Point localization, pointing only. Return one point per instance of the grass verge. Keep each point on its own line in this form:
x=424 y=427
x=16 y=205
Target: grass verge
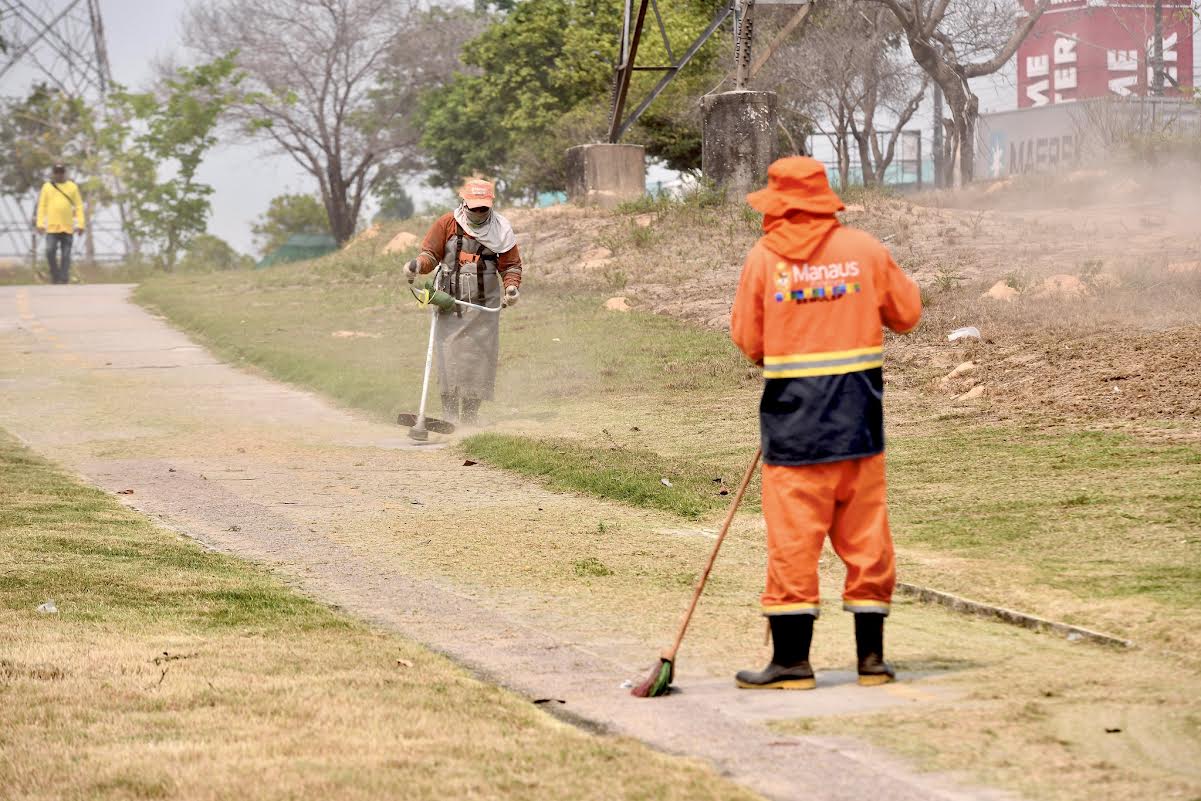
x=172 y=672
x=635 y=476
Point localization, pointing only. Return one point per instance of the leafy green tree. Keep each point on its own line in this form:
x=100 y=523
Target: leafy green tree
x=539 y=80
x=287 y=215
x=35 y=132
x=395 y=202
x=208 y=252
x=158 y=142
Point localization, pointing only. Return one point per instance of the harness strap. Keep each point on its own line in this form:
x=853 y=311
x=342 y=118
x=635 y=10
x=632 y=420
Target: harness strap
x=456 y=280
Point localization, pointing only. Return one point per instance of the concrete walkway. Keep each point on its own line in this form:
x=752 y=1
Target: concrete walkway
x=278 y=475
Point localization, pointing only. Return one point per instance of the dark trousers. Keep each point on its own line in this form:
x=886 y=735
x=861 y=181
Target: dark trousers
x=58 y=253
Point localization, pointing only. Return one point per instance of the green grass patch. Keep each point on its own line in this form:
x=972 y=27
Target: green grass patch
x=627 y=475
x=101 y=562
x=591 y=567
x=1097 y=513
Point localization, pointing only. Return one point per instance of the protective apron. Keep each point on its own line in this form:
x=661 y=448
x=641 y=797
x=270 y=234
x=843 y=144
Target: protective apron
x=467 y=344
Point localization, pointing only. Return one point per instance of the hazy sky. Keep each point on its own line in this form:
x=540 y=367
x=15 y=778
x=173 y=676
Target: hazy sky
x=244 y=179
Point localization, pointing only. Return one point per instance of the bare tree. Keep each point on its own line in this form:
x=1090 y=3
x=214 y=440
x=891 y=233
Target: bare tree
x=849 y=73
x=891 y=82
x=313 y=72
x=957 y=40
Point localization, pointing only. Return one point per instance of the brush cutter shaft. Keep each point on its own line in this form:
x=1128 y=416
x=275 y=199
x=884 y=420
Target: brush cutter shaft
x=481 y=308
x=429 y=360
x=721 y=536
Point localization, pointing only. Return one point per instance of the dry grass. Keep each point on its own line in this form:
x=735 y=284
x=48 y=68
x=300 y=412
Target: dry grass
x=170 y=672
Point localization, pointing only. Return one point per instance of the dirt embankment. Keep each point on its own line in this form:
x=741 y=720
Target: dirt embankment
x=1086 y=288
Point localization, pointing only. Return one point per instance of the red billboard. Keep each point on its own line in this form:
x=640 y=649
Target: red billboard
x=1088 y=48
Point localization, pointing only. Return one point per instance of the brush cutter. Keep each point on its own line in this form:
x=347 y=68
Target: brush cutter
x=659 y=681
x=420 y=426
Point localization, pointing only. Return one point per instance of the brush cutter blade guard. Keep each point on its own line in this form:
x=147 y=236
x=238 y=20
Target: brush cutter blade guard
x=432 y=424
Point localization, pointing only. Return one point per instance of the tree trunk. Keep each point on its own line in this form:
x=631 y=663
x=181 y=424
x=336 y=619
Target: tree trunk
x=33 y=239
x=341 y=222
x=863 y=142
x=964 y=114
x=963 y=105
x=89 y=241
x=341 y=219
x=169 y=254
x=844 y=161
x=938 y=143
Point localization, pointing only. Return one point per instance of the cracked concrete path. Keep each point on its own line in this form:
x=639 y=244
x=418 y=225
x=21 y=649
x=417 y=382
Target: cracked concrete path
x=348 y=510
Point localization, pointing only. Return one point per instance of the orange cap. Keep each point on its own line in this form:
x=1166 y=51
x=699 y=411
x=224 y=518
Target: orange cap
x=796 y=183
x=478 y=192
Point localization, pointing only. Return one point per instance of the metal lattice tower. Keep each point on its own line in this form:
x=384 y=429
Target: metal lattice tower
x=59 y=43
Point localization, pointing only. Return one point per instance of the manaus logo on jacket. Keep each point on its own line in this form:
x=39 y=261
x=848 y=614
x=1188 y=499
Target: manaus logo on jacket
x=789 y=276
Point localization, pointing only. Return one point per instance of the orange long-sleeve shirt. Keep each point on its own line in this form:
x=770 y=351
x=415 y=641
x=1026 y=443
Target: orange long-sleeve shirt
x=445 y=228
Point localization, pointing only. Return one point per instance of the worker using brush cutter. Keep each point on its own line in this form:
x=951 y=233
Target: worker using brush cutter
x=477 y=251
x=810 y=309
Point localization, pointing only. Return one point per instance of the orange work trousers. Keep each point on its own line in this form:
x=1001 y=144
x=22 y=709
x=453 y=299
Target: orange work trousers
x=844 y=500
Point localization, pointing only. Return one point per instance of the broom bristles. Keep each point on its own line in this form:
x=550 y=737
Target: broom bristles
x=657 y=683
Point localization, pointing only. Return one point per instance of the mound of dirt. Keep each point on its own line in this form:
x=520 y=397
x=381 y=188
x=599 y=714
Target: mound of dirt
x=1001 y=291
x=1125 y=375
x=1104 y=375
x=401 y=242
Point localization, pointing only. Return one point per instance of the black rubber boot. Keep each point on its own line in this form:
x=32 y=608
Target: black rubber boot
x=450 y=408
x=869 y=642
x=471 y=411
x=789 y=668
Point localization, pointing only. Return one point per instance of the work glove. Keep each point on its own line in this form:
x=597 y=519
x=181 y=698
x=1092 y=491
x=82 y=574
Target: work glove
x=512 y=293
x=411 y=270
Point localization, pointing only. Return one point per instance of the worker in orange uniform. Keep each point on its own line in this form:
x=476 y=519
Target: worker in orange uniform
x=475 y=250
x=810 y=309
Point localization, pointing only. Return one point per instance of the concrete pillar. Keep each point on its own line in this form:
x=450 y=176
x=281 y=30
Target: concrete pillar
x=605 y=175
x=738 y=140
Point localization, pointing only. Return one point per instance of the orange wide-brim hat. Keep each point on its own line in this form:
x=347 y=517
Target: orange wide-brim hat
x=477 y=192
x=796 y=183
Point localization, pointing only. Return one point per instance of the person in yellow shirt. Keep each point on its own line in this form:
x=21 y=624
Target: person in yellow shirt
x=60 y=217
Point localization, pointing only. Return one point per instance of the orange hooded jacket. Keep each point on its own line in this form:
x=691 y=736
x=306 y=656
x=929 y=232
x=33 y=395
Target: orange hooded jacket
x=810 y=308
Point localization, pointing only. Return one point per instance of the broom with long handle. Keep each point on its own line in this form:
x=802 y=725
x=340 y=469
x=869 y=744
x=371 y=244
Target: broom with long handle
x=660 y=679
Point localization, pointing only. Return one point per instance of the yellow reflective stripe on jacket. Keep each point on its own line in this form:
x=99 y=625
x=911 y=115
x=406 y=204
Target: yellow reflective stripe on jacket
x=838 y=362
x=792 y=609
x=878 y=607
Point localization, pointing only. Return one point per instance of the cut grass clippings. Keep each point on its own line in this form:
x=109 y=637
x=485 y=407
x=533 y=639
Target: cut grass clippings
x=173 y=672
